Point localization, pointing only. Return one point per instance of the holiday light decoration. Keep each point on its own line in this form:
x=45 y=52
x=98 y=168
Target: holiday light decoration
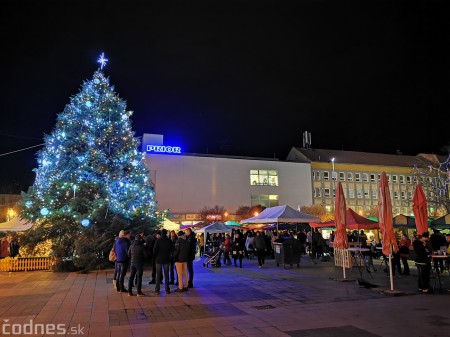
x=90 y=161
x=435 y=179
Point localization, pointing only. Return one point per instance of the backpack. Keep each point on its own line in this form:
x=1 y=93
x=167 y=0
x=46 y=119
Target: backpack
x=112 y=255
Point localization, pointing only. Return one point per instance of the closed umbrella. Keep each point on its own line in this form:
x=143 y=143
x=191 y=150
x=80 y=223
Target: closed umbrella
x=389 y=242
x=340 y=236
x=420 y=209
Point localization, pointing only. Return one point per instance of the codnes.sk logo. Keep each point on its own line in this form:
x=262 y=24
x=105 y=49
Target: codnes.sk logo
x=31 y=328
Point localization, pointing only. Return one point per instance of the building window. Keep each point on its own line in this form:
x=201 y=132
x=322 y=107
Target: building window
x=374 y=194
x=341 y=176
x=403 y=195
x=334 y=176
x=351 y=193
x=357 y=177
x=326 y=175
x=366 y=194
x=317 y=175
x=359 y=194
x=265 y=200
x=317 y=193
x=372 y=177
x=410 y=195
x=264 y=177
x=402 y=179
x=350 y=176
x=396 y=195
x=326 y=192
x=394 y=179
x=365 y=177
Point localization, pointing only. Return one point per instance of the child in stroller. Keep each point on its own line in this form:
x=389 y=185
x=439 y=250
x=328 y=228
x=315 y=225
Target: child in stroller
x=212 y=256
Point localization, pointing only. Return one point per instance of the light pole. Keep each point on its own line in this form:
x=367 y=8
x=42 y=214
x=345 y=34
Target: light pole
x=333 y=178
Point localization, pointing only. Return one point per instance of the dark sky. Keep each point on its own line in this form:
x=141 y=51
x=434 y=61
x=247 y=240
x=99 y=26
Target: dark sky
x=233 y=77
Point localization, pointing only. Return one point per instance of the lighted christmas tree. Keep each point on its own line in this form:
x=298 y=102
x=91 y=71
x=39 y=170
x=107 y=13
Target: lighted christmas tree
x=90 y=176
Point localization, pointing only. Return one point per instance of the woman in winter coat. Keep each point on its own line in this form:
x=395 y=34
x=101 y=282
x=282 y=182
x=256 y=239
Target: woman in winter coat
x=238 y=249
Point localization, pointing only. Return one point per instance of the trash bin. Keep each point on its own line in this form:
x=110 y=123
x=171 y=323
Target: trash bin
x=291 y=252
x=278 y=253
x=287 y=253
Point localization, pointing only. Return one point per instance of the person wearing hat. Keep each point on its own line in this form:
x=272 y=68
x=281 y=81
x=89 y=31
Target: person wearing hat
x=121 y=248
x=423 y=251
x=137 y=255
x=161 y=255
x=181 y=257
x=437 y=240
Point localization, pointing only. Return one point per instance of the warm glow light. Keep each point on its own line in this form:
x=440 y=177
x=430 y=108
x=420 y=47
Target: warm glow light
x=225 y=214
x=256 y=213
x=11 y=213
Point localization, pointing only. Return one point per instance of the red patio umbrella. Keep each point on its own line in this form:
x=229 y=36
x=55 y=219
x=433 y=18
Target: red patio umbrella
x=420 y=209
x=340 y=235
x=389 y=242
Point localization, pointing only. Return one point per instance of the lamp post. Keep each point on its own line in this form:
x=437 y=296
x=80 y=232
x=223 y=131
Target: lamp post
x=333 y=178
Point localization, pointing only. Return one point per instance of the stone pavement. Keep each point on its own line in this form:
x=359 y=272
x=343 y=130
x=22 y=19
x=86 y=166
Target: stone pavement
x=309 y=301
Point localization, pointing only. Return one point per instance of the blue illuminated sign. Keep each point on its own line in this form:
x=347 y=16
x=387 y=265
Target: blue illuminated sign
x=163 y=149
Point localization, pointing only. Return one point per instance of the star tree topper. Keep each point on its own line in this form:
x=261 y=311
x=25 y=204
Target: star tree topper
x=102 y=60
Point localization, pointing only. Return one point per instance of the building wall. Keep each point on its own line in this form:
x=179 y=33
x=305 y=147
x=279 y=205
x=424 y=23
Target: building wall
x=188 y=183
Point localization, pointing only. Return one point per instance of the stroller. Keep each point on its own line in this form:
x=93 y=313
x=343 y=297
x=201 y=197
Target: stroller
x=212 y=257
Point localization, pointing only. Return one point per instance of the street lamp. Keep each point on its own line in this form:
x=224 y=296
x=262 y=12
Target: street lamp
x=333 y=178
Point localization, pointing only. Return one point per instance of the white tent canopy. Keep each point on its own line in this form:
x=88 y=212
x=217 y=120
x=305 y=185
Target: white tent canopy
x=15 y=225
x=170 y=225
x=281 y=214
x=215 y=227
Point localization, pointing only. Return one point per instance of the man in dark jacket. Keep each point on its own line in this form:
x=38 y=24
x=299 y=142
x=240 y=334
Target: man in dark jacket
x=137 y=255
x=161 y=255
x=192 y=242
x=121 y=247
x=151 y=244
x=437 y=240
x=423 y=251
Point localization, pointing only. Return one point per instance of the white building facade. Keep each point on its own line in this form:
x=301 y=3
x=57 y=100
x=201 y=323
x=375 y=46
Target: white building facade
x=187 y=183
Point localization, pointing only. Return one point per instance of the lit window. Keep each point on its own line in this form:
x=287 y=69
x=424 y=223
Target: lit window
x=350 y=176
x=264 y=177
x=359 y=194
x=374 y=194
x=265 y=200
x=351 y=193
x=365 y=177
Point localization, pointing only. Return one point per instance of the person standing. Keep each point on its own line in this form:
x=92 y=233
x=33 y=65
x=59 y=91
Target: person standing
x=423 y=262
x=181 y=256
x=238 y=248
x=137 y=256
x=161 y=254
x=437 y=240
x=172 y=273
x=260 y=246
x=121 y=247
x=14 y=248
x=403 y=250
x=201 y=244
x=4 y=248
x=151 y=244
x=227 y=250
x=192 y=243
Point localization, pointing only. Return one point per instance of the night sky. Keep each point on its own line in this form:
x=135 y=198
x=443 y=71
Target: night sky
x=233 y=77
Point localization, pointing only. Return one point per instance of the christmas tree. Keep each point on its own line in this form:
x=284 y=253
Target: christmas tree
x=91 y=180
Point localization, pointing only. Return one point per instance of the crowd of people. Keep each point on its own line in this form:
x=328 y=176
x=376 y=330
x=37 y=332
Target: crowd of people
x=9 y=247
x=171 y=254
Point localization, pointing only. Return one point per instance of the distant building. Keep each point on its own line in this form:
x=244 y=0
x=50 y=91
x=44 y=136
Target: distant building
x=359 y=174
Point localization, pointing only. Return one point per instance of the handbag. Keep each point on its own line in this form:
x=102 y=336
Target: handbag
x=112 y=255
